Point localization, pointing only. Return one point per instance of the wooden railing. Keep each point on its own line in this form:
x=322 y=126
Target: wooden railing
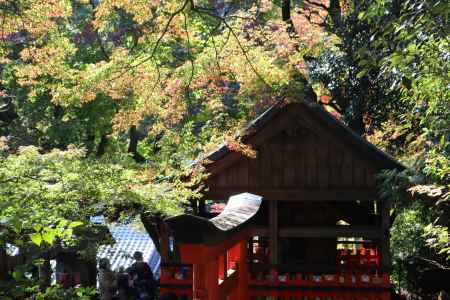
x=358 y=285
x=363 y=280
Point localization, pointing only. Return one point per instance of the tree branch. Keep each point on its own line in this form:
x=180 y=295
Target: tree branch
x=434 y=263
x=216 y=54
x=201 y=10
x=321 y=5
x=101 y=148
x=191 y=59
x=132 y=146
x=158 y=41
x=97 y=35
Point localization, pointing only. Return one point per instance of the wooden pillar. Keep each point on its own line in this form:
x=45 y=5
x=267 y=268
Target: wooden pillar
x=273 y=231
x=234 y=295
x=198 y=282
x=212 y=279
x=243 y=271
x=385 y=235
x=223 y=266
x=3 y=264
x=164 y=242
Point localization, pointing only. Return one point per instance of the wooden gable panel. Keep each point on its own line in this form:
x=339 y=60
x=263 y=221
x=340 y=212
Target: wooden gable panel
x=337 y=170
x=290 y=164
x=304 y=166
x=297 y=153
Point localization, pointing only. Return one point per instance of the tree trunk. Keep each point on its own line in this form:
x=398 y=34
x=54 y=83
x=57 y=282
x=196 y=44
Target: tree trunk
x=286 y=10
x=132 y=146
x=7 y=112
x=286 y=16
x=356 y=123
x=58 y=111
x=150 y=223
x=334 y=11
x=101 y=149
x=202 y=208
x=90 y=143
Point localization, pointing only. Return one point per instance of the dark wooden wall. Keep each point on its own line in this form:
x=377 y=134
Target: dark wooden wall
x=298 y=159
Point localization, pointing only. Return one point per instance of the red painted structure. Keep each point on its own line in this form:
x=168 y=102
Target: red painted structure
x=216 y=272
x=222 y=272
x=312 y=173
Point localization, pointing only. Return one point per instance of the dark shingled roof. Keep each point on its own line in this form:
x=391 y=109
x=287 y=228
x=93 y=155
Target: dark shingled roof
x=197 y=230
x=323 y=116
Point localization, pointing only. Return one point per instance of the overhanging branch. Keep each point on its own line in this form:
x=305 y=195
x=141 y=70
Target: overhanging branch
x=207 y=12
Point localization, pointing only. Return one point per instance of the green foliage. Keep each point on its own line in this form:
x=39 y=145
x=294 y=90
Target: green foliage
x=408 y=241
x=438 y=238
x=59 y=293
x=415 y=32
x=55 y=292
x=46 y=201
x=48 y=196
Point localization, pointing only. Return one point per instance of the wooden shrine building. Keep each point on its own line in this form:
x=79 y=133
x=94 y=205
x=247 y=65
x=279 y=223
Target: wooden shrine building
x=307 y=221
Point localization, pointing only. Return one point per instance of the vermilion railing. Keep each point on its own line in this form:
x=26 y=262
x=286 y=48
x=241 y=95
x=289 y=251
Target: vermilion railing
x=369 y=257
x=347 y=286
x=176 y=280
x=359 y=279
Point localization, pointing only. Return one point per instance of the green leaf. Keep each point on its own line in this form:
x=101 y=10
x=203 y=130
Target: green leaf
x=75 y=224
x=37 y=227
x=36 y=238
x=18 y=242
x=17 y=274
x=49 y=237
x=68 y=232
x=361 y=74
x=62 y=223
x=16 y=225
x=444 y=250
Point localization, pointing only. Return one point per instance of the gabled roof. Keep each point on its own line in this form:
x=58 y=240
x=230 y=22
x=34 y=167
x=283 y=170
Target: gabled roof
x=318 y=112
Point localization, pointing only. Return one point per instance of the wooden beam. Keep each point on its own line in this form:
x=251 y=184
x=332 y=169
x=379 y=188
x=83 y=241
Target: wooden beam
x=367 y=232
x=201 y=253
x=224 y=163
x=307 y=195
x=199 y=281
x=309 y=268
x=385 y=234
x=331 y=232
x=243 y=271
x=3 y=264
x=228 y=285
x=212 y=279
x=273 y=231
x=259 y=231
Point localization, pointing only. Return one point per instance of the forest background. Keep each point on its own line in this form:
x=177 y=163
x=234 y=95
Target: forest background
x=105 y=104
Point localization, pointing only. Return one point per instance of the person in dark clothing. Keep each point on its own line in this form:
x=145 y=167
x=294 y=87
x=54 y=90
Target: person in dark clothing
x=142 y=269
x=124 y=290
x=142 y=275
